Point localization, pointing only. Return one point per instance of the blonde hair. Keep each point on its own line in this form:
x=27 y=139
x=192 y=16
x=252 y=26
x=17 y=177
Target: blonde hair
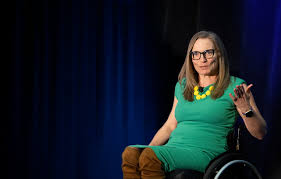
x=188 y=71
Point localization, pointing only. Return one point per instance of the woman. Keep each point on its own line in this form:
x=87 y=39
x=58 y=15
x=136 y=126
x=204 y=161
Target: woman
x=206 y=105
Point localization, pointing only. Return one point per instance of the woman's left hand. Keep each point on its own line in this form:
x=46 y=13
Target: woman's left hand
x=242 y=97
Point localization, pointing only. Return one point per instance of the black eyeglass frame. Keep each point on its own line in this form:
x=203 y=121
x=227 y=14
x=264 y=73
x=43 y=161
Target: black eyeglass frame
x=204 y=54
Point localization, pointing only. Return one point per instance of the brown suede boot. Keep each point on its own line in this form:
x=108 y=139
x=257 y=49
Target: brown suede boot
x=130 y=163
x=150 y=166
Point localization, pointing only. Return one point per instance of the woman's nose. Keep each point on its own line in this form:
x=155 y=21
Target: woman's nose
x=204 y=59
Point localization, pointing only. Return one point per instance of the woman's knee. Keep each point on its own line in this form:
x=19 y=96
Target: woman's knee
x=131 y=154
x=148 y=156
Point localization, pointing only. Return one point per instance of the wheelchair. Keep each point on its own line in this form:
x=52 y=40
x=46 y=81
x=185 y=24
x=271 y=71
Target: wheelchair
x=232 y=164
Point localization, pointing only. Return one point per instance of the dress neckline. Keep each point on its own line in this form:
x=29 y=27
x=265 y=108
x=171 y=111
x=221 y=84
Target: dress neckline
x=205 y=88
x=208 y=85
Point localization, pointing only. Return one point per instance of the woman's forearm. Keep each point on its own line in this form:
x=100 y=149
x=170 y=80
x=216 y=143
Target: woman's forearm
x=161 y=136
x=256 y=125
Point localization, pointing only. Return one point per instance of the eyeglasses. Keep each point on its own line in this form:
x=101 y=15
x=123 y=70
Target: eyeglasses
x=207 y=54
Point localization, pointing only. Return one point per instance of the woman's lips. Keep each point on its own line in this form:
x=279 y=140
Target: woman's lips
x=203 y=67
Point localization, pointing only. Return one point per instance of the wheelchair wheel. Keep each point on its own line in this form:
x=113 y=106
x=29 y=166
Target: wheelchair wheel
x=231 y=166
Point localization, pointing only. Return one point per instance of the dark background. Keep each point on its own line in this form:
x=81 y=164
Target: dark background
x=87 y=78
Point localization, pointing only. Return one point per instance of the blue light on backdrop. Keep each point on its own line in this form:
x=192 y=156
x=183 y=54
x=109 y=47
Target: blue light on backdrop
x=260 y=49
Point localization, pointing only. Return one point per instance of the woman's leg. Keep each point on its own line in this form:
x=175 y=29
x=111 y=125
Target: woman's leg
x=130 y=163
x=150 y=166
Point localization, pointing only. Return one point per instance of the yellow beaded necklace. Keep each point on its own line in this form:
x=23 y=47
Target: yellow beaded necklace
x=207 y=93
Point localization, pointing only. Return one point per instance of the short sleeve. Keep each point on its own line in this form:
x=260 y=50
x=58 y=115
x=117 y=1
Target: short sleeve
x=177 y=90
x=239 y=81
x=236 y=81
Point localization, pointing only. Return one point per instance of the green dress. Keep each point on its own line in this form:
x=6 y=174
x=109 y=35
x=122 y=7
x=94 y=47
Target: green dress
x=201 y=131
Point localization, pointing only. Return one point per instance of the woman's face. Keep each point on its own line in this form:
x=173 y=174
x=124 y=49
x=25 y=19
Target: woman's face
x=205 y=66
